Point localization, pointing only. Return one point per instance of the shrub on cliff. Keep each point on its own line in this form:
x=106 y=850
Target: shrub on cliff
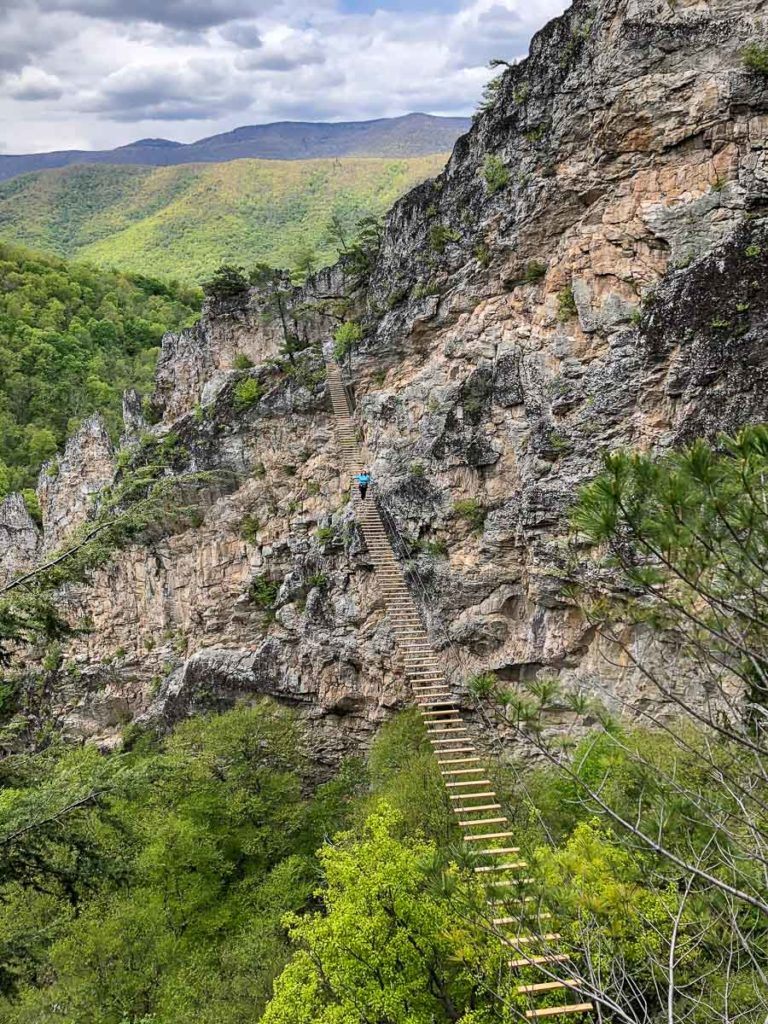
x=246 y=393
x=346 y=336
x=755 y=57
x=227 y=283
x=495 y=173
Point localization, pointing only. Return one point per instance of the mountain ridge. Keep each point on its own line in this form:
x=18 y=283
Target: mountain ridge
x=410 y=135
x=183 y=221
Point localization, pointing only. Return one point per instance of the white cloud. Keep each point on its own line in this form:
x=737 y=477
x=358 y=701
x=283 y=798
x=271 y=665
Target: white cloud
x=188 y=68
x=34 y=84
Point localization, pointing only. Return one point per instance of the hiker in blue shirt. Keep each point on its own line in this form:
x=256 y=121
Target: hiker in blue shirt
x=363 y=479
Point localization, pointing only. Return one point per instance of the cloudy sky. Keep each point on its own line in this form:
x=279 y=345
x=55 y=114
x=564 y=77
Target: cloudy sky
x=95 y=74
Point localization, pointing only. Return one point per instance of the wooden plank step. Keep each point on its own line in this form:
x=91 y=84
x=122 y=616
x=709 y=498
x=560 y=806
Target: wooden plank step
x=526 y=940
x=504 y=884
x=544 y=986
x=458 y=760
x=481 y=807
x=475 y=782
x=497 y=851
x=464 y=771
x=502 y=867
x=468 y=796
x=516 y=920
x=553 y=1011
x=547 y=958
x=481 y=821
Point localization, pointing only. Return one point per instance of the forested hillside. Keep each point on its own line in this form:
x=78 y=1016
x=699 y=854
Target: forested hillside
x=72 y=338
x=184 y=221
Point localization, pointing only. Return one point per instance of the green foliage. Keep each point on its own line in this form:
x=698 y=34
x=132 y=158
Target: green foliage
x=491 y=92
x=263 y=591
x=389 y=946
x=432 y=548
x=495 y=173
x=689 y=532
x=566 y=305
x=483 y=684
x=482 y=254
x=755 y=58
x=346 y=336
x=247 y=392
x=423 y=289
x=439 y=235
x=186 y=221
x=416 y=468
x=151 y=884
x=249 y=528
x=242 y=361
x=534 y=271
x=227 y=283
x=72 y=339
x=537 y=133
x=470 y=510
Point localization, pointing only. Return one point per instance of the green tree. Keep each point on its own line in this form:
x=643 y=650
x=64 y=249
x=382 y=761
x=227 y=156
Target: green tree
x=388 y=947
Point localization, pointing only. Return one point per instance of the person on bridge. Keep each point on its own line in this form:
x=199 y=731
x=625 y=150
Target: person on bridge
x=363 y=479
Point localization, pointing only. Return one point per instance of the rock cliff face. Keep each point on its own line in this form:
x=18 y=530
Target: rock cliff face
x=19 y=538
x=589 y=272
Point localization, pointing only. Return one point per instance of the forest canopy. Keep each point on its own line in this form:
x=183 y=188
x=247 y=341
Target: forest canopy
x=72 y=339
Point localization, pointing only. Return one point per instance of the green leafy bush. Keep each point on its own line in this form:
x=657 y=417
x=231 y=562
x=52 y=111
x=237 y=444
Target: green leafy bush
x=423 y=289
x=534 y=271
x=566 y=305
x=439 y=235
x=249 y=528
x=470 y=510
x=247 y=392
x=242 y=361
x=227 y=283
x=346 y=336
x=263 y=591
x=495 y=173
x=755 y=58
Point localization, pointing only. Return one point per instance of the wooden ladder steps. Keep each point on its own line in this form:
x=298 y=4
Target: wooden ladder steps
x=526 y=940
x=545 y=986
x=446 y=731
x=487 y=835
x=553 y=1011
x=544 y=958
x=512 y=865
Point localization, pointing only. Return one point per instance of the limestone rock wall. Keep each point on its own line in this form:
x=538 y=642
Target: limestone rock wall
x=19 y=538
x=70 y=484
x=611 y=291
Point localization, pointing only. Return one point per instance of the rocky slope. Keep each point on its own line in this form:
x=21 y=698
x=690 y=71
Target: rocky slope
x=589 y=271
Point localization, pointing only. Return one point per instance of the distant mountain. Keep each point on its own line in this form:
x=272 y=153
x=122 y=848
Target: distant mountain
x=183 y=222
x=407 y=136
